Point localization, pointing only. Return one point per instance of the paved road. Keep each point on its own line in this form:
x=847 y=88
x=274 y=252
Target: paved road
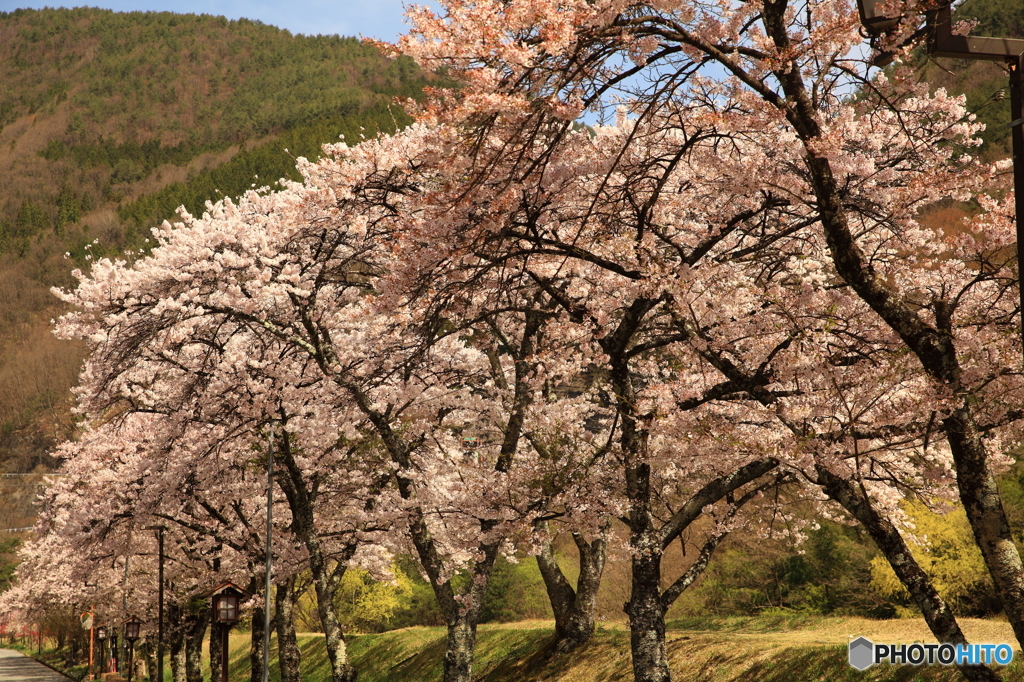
x=16 y=667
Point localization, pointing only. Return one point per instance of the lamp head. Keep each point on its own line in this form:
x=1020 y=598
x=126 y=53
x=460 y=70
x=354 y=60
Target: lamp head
x=132 y=626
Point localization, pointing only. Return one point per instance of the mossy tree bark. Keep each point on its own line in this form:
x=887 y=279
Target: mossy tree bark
x=288 y=653
x=574 y=608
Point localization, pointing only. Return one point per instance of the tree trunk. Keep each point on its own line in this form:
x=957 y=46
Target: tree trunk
x=148 y=651
x=934 y=346
x=256 y=645
x=561 y=594
x=975 y=477
x=337 y=650
x=178 y=664
x=216 y=652
x=461 y=612
x=195 y=630
x=573 y=608
x=649 y=538
x=937 y=613
x=645 y=611
x=288 y=653
x=980 y=496
x=460 y=646
x=300 y=500
x=646 y=615
x=175 y=642
x=138 y=664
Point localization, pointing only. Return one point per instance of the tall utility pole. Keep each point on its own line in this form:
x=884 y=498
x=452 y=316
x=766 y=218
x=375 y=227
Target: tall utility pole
x=942 y=42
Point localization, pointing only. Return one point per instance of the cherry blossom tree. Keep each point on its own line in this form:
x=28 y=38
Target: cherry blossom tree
x=837 y=184
x=262 y=313
x=91 y=552
x=727 y=290
x=207 y=389
x=516 y=312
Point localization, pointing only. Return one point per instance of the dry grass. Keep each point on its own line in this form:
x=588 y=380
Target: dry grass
x=765 y=649
x=768 y=649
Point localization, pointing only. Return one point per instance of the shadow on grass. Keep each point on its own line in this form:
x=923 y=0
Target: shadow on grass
x=829 y=664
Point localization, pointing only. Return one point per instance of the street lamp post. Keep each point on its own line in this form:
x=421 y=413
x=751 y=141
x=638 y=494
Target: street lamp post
x=131 y=633
x=942 y=42
x=225 y=612
x=101 y=635
x=225 y=601
x=160 y=599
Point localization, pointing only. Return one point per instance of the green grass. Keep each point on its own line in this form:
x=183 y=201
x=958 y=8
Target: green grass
x=777 y=647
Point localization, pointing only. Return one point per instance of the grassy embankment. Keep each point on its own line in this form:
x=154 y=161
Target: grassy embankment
x=765 y=649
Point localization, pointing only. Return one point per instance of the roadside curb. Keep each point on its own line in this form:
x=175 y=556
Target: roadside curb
x=59 y=672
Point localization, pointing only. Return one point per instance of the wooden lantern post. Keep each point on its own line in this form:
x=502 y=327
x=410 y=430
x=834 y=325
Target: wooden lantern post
x=226 y=601
x=132 y=626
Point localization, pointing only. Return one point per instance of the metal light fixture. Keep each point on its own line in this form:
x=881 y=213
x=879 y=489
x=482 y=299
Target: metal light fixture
x=132 y=626
x=131 y=633
x=942 y=42
x=101 y=635
x=225 y=608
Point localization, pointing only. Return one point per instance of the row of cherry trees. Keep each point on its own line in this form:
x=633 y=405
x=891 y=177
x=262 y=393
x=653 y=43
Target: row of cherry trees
x=679 y=320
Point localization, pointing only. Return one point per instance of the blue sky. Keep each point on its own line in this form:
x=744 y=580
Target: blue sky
x=380 y=19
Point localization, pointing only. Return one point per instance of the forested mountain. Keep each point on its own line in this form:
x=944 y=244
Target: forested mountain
x=101 y=107
x=110 y=121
